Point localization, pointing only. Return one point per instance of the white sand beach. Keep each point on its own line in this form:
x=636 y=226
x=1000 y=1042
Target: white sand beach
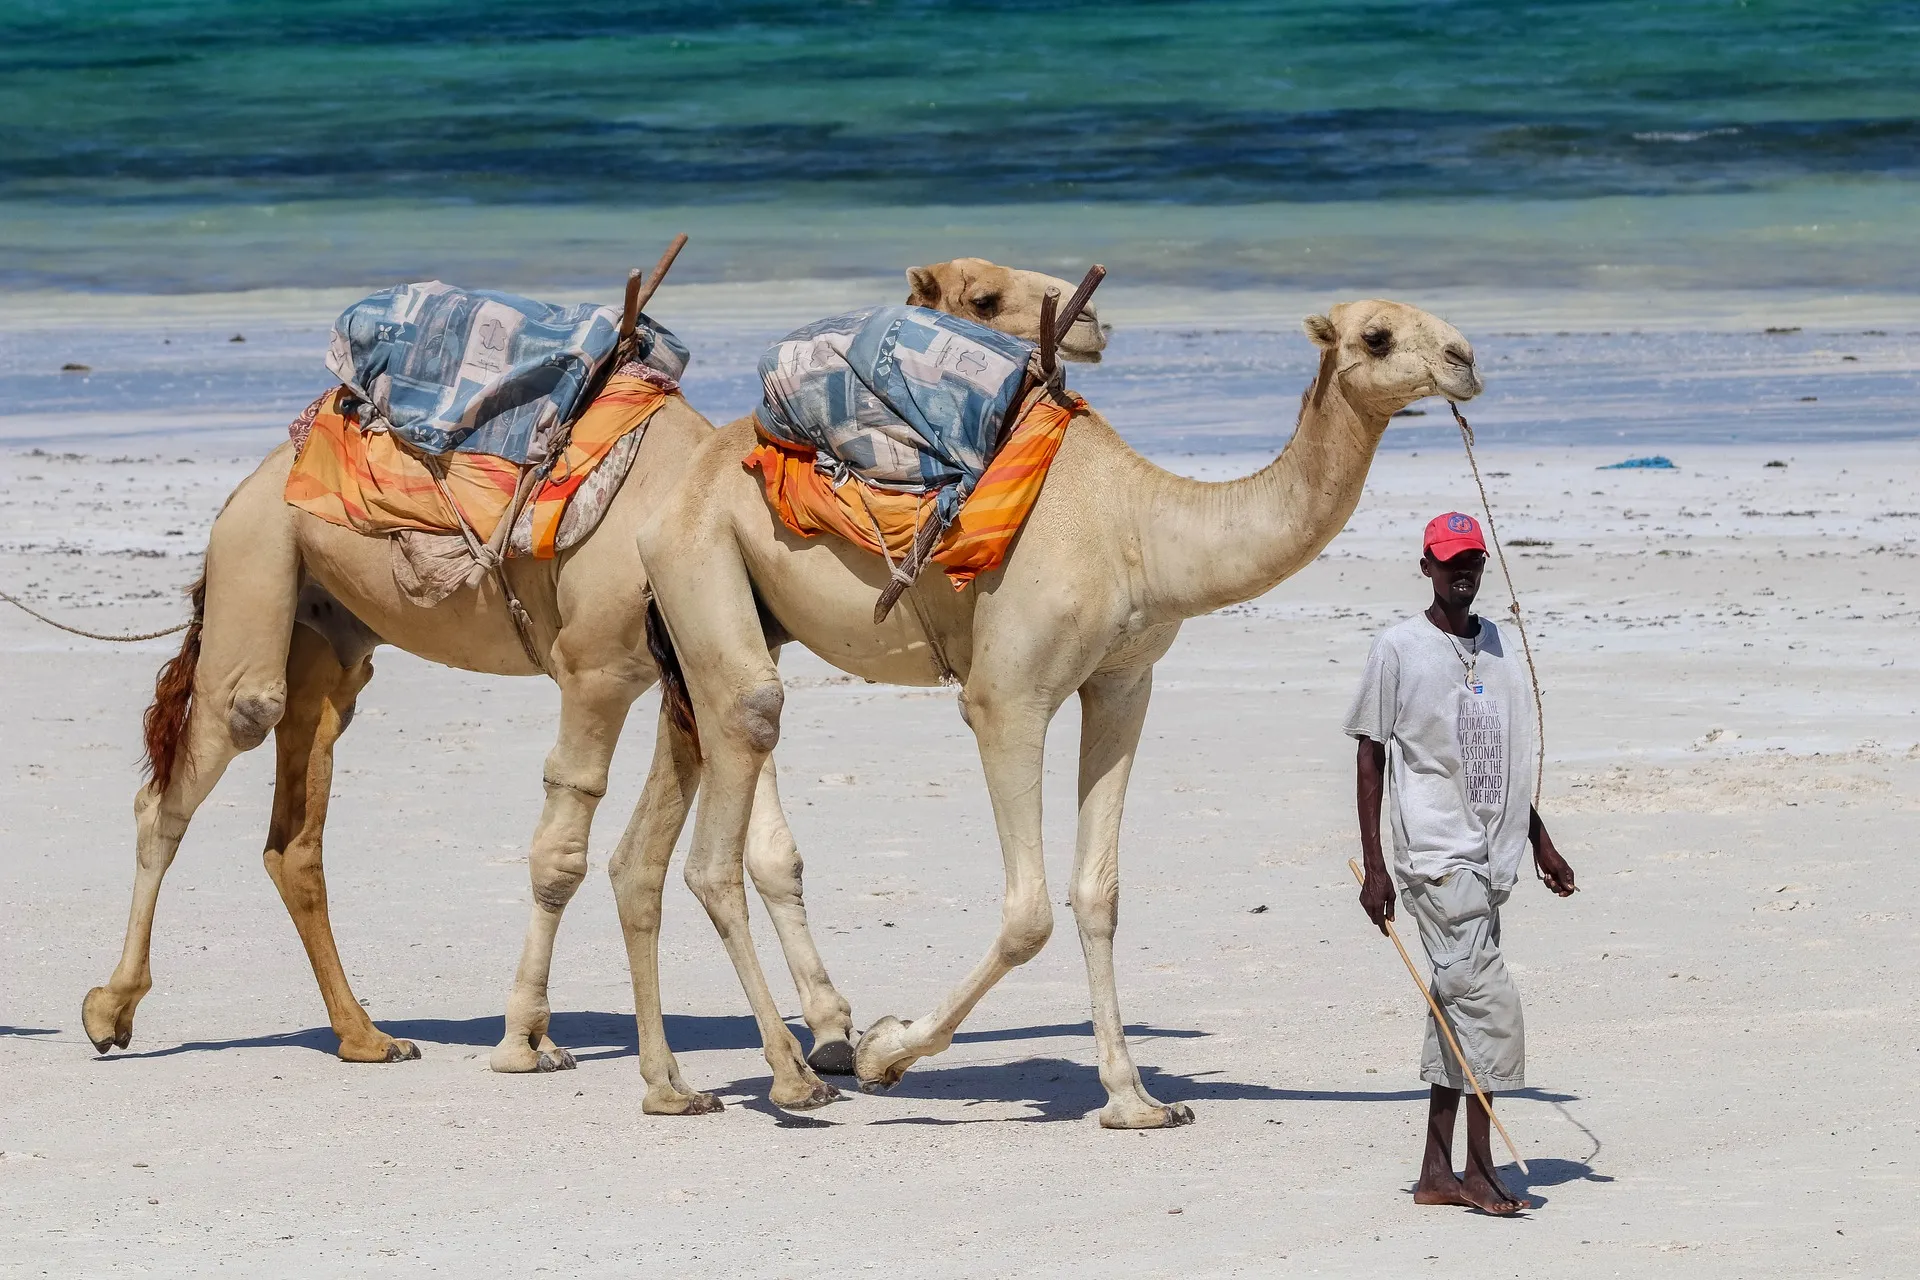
x=1721 y=1022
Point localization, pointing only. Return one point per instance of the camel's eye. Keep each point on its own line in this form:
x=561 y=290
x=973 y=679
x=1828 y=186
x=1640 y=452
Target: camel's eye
x=1379 y=341
x=987 y=303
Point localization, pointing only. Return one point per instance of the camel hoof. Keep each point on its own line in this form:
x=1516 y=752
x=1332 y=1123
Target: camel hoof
x=107 y=1027
x=1154 y=1117
x=882 y=1058
x=514 y=1056
x=555 y=1059
x=819 y=1095
x=682 y=1104
x=377 y=1052
x=832 y=1058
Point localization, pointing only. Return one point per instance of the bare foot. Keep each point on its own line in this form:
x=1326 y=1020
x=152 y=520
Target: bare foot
x=1440 y=1189
x=1485 y=1192
x=1471 y=1192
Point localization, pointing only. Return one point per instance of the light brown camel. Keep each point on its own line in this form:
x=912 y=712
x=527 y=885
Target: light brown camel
x=290 y=609
x=1115 y=555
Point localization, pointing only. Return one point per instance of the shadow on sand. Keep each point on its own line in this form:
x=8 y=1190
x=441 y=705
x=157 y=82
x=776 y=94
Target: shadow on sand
x=1061 y=1089
x=593 y=1035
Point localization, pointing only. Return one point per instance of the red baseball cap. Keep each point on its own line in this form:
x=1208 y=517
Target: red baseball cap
x=1452 y=533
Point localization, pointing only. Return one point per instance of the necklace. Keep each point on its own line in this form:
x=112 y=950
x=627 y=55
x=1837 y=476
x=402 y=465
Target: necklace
x=1469 y=656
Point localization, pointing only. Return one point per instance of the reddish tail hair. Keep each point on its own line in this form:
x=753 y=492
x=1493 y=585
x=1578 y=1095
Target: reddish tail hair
x=165 y=724
x=673 y=681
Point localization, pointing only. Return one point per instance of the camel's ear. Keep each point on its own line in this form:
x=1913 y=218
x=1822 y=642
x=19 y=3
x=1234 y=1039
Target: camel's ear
x=923 y=287
x=1321 y=330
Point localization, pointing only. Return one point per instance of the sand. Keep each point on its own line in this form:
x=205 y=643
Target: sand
x=1721 y=1022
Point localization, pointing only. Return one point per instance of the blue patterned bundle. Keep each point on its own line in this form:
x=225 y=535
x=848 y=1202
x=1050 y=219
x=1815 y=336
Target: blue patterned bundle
x=480 y=372
x=906 y=398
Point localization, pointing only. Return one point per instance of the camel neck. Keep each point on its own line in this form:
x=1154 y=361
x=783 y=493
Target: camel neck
x=1209 y=545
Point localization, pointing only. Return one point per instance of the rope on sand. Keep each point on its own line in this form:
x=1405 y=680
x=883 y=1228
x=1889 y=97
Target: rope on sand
x=91 y=635
x=1539 y=708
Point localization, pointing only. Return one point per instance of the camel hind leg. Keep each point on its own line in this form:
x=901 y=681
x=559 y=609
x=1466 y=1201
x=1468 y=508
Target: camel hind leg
x=222 y=696
x=160 y=820
x=773 y=860
x=321 y=692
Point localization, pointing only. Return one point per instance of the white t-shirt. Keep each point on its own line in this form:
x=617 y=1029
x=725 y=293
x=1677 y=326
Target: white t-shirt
x=1460 y=757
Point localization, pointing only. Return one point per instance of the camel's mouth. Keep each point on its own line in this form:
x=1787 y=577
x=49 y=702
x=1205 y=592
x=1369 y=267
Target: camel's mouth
x=1457 y=378
x=1084 y=342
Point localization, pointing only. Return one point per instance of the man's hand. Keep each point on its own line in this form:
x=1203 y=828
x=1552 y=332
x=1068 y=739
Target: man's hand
x=1547 y=862
x=1376 y=896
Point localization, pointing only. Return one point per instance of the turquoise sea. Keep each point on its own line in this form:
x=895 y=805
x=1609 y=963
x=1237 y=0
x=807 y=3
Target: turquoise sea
x=184 y=145
x=1322 y=148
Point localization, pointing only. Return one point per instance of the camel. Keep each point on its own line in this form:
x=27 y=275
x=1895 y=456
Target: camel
x=1115 y=555
x=286 y=617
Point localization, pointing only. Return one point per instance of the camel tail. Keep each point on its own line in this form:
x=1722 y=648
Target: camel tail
x=165 y=724
x=673 y=681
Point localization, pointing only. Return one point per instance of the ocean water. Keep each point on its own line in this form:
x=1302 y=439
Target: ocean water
x=1652 y=154
x=184 y=145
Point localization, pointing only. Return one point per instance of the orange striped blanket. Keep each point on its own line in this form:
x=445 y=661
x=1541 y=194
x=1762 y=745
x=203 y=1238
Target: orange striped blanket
x=367 y=482
x=977 y=541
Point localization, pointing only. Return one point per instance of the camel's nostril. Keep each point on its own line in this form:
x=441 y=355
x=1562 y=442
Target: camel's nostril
x=1459 y=354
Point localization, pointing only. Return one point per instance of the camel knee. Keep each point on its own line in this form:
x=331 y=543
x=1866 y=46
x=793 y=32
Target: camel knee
x=297 y=872
x=636 y=892
x=252 y=716
x=557 y=870
x=756 y=715
x=1025 y=925
x=1096 y=906
x=773 y=860
x=158 y=830
x=713 y=885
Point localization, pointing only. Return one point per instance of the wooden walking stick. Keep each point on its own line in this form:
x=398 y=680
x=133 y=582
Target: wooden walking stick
x=1447 y=1031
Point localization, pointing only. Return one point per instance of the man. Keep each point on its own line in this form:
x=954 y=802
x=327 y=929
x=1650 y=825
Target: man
x=1444 y=708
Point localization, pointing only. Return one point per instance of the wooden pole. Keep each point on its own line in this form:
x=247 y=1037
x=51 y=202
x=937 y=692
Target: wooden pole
x=630 y=312
x=1049 y=337
x=1447 y=1031
x=638 y=294
x=1071 y=312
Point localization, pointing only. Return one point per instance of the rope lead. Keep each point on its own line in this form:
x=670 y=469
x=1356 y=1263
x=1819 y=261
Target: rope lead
x=91 y=635
x=1526 y=646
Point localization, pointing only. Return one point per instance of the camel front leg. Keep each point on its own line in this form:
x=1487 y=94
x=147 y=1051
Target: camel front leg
x=773 y=860
x=320 y=700
x=638 y=870
x=593 y=709
x=1112 y=709
x=1012 y=748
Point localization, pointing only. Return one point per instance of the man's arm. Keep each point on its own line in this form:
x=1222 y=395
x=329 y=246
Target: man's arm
x=1552 y=868
x=1376 y=890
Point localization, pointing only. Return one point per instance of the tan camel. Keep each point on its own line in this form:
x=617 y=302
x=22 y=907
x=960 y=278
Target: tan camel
x=1115 y=555
x=290 y=610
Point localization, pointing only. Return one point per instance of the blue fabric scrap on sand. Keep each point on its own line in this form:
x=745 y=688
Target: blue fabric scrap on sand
x=1655 y=463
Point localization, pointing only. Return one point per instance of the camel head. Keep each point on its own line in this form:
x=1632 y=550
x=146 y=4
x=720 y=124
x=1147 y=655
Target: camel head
x=1007 y=299
x=1386 y=355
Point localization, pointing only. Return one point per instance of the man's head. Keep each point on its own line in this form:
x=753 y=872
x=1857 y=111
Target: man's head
x=1454 y=556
